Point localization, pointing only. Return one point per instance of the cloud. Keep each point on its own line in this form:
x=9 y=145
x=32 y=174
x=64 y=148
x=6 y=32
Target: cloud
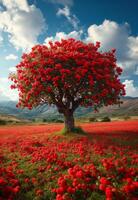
x=23 y=23
x=15 y=4
x=114 y=35
x=131 y=90
x=63 y=35
x=1 y=38
x=72 y=19
x=12 y=69
x=11 y=57
x=62 y=2
x=5 y=92
x=136 y=72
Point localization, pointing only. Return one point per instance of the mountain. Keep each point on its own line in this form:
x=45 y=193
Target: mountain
x=9 y=108
x=128 y=108
x=44 y=111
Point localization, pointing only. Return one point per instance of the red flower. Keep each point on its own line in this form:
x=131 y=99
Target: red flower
x=108 y=192
x=39 y=192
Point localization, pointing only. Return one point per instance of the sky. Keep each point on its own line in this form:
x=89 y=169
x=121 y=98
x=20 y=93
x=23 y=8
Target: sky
x=24 y=23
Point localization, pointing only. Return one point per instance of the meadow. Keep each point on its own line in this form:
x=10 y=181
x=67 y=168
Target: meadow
x=38 y=163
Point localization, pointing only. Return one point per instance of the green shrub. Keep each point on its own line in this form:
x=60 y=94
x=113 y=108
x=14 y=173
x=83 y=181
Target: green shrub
x=127 y=117
x=44 y=120
x=93 y=119
x=106 y=119
x=2 y=122
x=77 y=130
x=55 y=120
x=59 y=120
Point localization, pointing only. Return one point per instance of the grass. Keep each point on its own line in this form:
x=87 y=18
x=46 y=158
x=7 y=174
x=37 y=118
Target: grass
x=75 y=131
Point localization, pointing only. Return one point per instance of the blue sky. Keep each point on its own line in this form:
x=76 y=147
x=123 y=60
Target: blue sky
x=25 y=23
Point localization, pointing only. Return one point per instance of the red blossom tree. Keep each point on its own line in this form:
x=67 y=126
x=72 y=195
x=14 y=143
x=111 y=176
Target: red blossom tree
x=68 y=74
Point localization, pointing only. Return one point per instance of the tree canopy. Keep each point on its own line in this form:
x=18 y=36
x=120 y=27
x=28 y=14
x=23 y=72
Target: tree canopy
x=68 y=74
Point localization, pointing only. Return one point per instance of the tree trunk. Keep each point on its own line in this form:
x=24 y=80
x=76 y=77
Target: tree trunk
x=69 y=122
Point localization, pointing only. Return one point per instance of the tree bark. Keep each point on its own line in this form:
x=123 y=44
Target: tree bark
x=69 y=121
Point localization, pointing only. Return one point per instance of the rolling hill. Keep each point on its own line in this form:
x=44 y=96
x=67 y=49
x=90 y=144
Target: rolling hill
x=128 y=108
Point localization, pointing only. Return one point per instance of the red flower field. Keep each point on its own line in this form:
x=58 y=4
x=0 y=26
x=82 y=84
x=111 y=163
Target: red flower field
x=36 y=164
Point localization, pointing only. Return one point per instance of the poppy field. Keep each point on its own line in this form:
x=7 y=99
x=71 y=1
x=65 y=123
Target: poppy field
x=38 y=163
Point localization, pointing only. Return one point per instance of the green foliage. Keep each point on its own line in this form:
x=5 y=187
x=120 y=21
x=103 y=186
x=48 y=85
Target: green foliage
x=106 y=119
x=93 y=119
x=55 y=120
x=77 y=130
x=2 y=122
x=127 y=117
x=96 y=196
x=59 y=121
x=44 y=120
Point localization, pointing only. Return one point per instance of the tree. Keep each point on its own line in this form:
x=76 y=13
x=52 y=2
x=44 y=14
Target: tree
x=68 y=74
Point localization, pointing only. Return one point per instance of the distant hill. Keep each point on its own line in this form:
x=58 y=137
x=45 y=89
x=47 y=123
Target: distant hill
x=9 y=108
x=11 y=119
x=44 y=111
x=129 y=107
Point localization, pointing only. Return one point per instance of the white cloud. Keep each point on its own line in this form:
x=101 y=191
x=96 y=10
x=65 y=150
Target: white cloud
x=131 y=90
x=133 y=44
x=23 y=23
x=73 y=20
x=136 y=72
x=15 y=4
x=61 y=35
x=11 y=57
x=65 y=11
x=62 y=2
x=12 y=69
x=5 y=92
x=1 y=38
x=113 y=35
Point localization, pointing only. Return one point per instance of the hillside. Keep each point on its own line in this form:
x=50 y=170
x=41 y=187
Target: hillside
x=44 y=111
x=129 y=107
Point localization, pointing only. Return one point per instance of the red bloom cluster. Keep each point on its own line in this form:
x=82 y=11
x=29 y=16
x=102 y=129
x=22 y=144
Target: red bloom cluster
x=80 y=179
x=69 y=71
x=9 y=184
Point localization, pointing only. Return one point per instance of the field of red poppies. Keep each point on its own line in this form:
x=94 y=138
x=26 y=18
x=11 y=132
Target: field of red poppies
x=36 y=164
